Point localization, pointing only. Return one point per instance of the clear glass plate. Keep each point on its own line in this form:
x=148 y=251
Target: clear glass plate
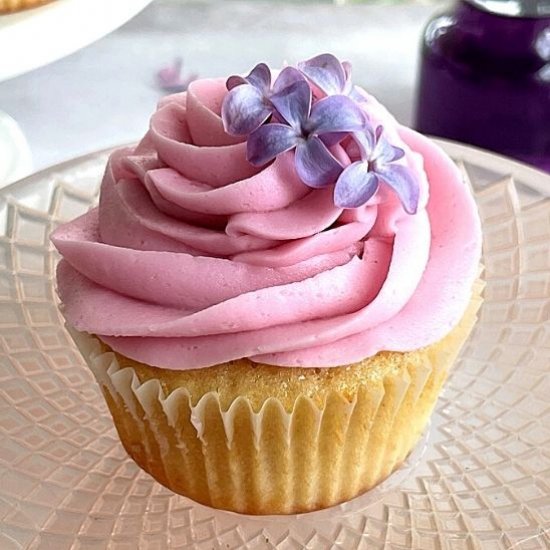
x=483 y=481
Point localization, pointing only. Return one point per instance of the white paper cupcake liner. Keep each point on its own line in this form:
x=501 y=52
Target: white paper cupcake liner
x=274 y=461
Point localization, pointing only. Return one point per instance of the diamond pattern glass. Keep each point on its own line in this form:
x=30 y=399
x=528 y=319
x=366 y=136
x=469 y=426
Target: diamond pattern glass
x=484 y=479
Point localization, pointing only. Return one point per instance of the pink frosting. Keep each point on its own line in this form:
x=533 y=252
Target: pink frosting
x=194 y=257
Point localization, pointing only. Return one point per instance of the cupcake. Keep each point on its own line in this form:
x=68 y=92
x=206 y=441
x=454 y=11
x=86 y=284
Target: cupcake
x=273 y=288
x=8 y=6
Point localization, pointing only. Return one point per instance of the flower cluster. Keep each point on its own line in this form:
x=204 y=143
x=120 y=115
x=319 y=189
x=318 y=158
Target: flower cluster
x=310 y=108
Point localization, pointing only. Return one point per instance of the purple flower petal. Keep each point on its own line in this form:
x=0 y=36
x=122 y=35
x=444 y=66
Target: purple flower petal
x=397 y=154
x=346 y=65
x=268 y=141
x=315 y=164
x=366 y=142
x=348 y=88
x=286 y=77
x=385 y=152
x=326 y=72
x=234 y=81
x=244 y=110
x=332 y=139
x=337 y=113
x=402 y=181
x=260 y=77
x=294 y=103
x=355 y=186
x=170 y=78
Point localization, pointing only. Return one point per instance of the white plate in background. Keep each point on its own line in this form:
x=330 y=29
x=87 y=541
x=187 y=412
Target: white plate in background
x=38 y=36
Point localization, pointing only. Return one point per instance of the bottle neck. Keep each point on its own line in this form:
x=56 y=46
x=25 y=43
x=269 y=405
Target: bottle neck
x=514 y=8
x=494 y=40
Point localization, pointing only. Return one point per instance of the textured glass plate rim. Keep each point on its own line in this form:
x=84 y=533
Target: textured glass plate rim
x=537 y=180
x=529 y=175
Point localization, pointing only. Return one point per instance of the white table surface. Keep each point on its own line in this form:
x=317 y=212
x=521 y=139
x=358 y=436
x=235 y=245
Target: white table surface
x=103 y=94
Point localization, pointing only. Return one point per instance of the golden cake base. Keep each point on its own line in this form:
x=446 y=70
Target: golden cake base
x=259 y=439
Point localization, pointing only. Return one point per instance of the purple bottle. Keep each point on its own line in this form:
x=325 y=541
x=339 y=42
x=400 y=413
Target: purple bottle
x=485 y=77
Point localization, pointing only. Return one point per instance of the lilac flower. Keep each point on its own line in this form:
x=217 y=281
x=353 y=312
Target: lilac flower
x=309 y=109
x=171 y=80
x=248 y=105
x=331 y=77
x=327 y=73
x=315 y=165
x=360 y=181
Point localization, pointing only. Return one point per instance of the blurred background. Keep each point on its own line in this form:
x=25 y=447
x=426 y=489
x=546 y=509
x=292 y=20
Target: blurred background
x=102 y=95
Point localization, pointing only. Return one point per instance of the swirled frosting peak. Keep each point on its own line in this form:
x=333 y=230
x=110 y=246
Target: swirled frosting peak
x=196 y=256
